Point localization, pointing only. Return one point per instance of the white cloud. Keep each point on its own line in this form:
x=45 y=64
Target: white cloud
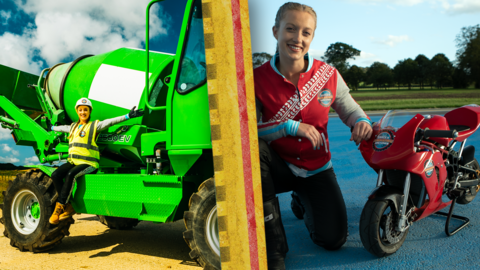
x=9 y=159
x=463 y=6
x=365 y=59
x=61 y=35
x=33 y=160
x=5 y=16
x=7 y=148
x=4 y=133
x=17 y=52
x=396 y=2
x=453 y=7
x=72 y=28
x=392 y=40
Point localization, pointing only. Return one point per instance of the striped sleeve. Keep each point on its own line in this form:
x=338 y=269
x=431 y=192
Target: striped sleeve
x=64 y=129
x=110 y=122
x=271 y=131
x=349 y=111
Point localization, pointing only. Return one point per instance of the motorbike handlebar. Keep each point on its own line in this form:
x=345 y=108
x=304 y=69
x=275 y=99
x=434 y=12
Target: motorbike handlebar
x=441 y=133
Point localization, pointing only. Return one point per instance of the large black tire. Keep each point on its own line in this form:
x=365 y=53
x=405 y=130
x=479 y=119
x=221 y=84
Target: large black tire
x=373 y=228
x=202 y=229
x=468 y=196
x=29 y=202
x=118 y=223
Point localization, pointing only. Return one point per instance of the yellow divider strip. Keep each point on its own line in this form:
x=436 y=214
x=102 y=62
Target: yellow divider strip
x=234 y=134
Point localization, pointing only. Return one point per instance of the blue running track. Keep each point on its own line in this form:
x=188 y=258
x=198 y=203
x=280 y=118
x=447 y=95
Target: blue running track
x=426 y=246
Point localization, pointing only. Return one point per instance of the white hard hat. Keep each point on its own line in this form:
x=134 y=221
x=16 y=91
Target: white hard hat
x=84 y=102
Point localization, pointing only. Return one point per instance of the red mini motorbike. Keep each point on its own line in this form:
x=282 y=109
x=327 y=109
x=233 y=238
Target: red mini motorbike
x=416 y=163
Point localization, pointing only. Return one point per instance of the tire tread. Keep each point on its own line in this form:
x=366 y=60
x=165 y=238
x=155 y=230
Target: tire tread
x=369 y=220
x=51 y=235
x=196 y=202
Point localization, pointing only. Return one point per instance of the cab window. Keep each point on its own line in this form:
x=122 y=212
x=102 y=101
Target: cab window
x=193 y=70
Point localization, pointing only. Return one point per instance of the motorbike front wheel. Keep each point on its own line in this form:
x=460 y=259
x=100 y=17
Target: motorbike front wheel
x=378 y=228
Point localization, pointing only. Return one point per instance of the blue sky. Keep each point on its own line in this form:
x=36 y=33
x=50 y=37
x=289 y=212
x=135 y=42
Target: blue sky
x=384 y=30
x=35 y=34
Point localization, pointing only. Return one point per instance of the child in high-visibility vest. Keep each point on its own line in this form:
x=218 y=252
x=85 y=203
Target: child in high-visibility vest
x=83 y=154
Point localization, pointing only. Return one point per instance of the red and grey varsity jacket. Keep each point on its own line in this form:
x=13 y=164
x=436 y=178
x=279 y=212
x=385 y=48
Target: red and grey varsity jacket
x=281 y=107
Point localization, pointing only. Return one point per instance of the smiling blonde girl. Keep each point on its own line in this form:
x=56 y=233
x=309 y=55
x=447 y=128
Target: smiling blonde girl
x=294 y=94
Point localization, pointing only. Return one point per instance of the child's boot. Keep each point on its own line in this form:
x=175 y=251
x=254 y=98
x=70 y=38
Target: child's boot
x=68 y=212
x=54 y=219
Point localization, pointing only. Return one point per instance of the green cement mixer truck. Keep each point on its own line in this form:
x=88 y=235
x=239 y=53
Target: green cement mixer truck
x=158 y=167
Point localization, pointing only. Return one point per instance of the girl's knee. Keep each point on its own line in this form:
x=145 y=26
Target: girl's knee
x=262 y=146
x=330 y=241
x=335 y=244
x=70 y=175
x=58 y=175
x=54 y=175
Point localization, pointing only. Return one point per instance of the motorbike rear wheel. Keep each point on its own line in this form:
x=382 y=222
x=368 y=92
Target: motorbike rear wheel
x=468 y=196
x=378 y=228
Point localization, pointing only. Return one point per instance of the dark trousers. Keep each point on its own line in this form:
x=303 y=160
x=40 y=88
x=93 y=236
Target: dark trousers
x=325 y=213
x=70 y=172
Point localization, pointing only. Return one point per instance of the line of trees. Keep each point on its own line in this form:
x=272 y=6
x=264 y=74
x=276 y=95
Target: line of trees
x=437 y=72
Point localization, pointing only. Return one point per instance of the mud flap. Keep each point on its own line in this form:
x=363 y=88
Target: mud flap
x=387 y=193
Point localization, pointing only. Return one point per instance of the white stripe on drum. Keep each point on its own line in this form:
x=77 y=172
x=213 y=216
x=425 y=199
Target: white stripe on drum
x=121 y=87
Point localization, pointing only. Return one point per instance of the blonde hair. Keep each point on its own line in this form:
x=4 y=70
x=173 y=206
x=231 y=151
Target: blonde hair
x=294 y=6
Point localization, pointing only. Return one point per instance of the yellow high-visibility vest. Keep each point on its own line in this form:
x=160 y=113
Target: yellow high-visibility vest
x=82 y=148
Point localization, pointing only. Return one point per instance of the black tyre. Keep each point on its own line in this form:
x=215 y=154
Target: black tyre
x=118 y=223
x=29 y=202
x=378 y=228
x=468 y=196
x=202 y=227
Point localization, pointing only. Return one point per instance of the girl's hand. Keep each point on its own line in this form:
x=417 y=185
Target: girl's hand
x=361 y=131
x=311 y=133
x=135 y=113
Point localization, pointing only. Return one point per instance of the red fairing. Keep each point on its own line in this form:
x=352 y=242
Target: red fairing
x=366 y=148
x=466 y=116
x=400 y=146
x=399 y=154
x=433 y=183
x=437 y=122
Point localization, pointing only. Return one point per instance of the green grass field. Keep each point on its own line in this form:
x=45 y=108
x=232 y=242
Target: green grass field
x=6 y=176
x=376 y=105
x=415 y=99
x=448 y=91
x=3 y=186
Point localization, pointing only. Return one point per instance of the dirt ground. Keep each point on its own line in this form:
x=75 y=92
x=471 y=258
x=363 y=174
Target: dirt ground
x=416 y=96
x=91 y=245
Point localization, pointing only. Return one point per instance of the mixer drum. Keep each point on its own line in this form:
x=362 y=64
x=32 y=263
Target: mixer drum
x=113 y=81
